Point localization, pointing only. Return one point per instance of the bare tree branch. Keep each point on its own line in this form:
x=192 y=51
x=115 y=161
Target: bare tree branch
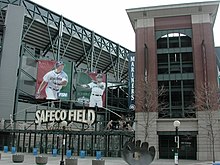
x=151 y=104
x=207 y=101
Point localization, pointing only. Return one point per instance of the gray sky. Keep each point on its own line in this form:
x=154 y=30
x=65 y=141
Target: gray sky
x=109 y=18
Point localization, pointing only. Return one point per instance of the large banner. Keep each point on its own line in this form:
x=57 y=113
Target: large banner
x=52 y=80
x=90 y=89
x=131 y=81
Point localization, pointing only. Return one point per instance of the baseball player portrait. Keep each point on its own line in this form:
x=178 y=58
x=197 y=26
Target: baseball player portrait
x=54 y=80
x=97 y=89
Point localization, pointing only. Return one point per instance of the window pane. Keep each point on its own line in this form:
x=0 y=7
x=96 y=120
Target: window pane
x=185 y=41
x=177 y=113
x=187 y=57
x=176 y=99
x=175 y=63
x=173 y=42
x=162 y=43
x=162 y=60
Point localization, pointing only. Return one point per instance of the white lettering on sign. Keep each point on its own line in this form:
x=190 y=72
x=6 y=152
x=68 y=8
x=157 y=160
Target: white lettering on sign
x=82 y=116
x=132 y=61
x=63 y=94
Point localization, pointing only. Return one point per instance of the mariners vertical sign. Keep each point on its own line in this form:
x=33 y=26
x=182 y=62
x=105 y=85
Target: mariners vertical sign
x=131 y=82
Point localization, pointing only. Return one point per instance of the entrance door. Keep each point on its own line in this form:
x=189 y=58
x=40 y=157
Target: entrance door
x=187 y=148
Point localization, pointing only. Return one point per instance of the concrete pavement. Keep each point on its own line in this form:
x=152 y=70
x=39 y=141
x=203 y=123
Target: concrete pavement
x=30 y=160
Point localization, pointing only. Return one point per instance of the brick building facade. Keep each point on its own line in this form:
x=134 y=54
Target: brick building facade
x=175 y=49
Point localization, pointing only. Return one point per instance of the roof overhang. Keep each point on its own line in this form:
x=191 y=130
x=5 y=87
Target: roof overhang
x=208 y=7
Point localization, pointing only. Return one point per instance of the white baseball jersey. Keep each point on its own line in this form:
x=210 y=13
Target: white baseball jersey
x=54 y=79
x=97 y=88
x=96 y=94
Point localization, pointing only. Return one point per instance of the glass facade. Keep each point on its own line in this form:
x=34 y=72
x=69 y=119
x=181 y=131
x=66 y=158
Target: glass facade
x=187 y=148
x=175 y=72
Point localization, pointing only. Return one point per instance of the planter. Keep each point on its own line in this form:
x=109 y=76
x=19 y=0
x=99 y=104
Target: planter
x=98 y=162
x=41 y=160
x=17 y=158
x=71 y=162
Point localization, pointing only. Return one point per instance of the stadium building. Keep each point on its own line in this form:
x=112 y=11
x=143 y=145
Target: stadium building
x=175 y=50
x=33 y=39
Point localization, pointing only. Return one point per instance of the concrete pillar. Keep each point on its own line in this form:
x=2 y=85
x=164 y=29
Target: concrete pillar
x=9 y=61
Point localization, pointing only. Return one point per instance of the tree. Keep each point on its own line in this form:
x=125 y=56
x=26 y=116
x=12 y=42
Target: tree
x=152 y=101
x=207 y=101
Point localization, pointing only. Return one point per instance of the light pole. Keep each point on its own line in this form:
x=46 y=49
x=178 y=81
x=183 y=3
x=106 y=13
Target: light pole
x=63 y=124
x=176 y=125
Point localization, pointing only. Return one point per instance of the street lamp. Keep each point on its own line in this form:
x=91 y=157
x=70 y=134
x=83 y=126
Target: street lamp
x=176 y=124
x=63 y=124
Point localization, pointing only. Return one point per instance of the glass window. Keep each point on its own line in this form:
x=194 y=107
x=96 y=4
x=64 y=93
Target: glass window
x=162 y=43
x=162 y=60
x=176 y=84
x=176 y=98
x=187 y=57
x=175 y=63
x=173 y=42
x=185 y=41
x=180 y=99
x=177 y=113
x=187 y=62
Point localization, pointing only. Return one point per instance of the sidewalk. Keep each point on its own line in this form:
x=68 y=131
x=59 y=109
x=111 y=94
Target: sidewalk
x=30 y=160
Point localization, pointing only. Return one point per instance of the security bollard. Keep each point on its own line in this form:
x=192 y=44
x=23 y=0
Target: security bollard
x=68 y=153
x=5 y=149
x=13 y=150
x=82 y=154
x=54 y=152
x=35 y=151
x=98 y=155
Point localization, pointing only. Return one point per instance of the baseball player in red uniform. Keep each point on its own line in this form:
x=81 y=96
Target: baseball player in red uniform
x=54 y=80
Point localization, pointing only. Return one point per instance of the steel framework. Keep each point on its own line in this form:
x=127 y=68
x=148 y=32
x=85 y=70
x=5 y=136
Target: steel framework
x=45 y=32
x=42 y=29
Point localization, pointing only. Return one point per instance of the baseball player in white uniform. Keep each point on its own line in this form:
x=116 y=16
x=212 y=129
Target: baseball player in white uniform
x=97 y=90
x=55 y=80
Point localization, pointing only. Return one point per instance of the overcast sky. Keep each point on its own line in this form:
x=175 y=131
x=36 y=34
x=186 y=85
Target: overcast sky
x=109 y=18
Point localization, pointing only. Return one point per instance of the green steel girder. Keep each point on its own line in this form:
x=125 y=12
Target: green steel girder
x=49 y=45
x=70 y=27
x=51 y=19
x=110 y=65
x=83 y=56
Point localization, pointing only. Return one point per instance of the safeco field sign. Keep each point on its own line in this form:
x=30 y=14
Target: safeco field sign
x=81 y=116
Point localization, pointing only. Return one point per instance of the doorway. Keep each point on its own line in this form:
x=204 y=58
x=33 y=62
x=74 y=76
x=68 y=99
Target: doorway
x=187 y=148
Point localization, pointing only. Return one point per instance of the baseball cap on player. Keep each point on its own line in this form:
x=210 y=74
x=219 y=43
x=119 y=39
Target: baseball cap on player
x=58 y=63
x=99 y=76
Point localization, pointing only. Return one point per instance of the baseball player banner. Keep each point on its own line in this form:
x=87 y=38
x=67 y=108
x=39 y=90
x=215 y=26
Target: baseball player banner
x=90 y=89
x=52 y=80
